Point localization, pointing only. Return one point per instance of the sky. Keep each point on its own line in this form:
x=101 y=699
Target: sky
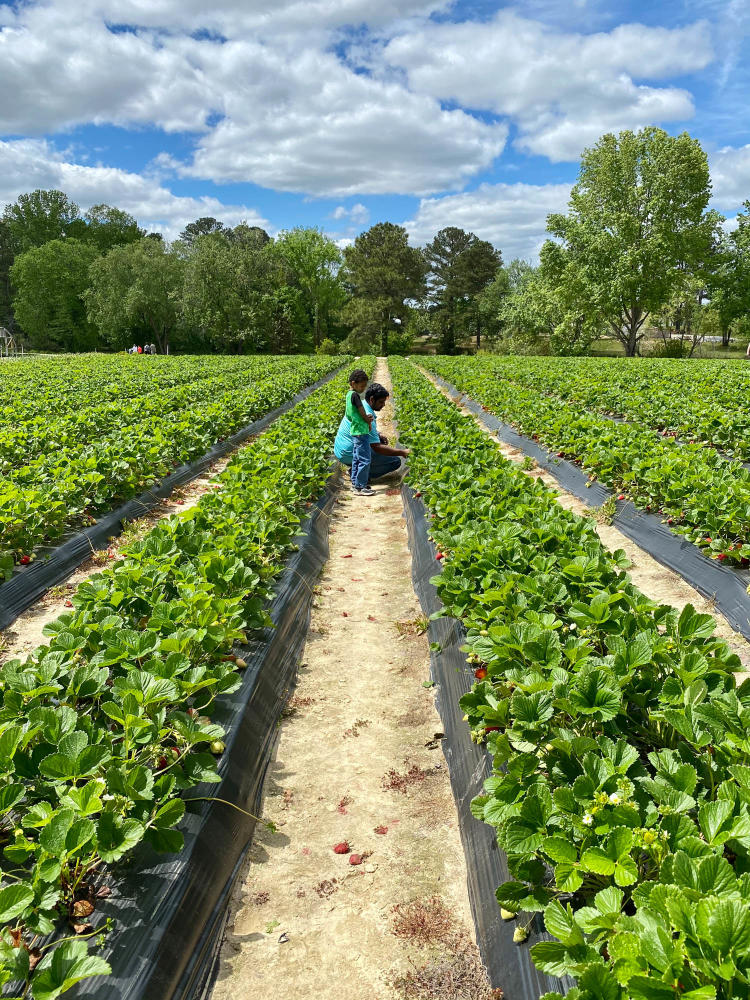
x=343 y=113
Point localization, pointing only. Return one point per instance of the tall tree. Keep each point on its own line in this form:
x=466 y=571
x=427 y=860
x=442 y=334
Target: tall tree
x=636 y=221
x=136 y=289
x=460 y=267
x=108 y=227
x=728 y=284
x=314 y=261
x=7 y=256
x=41 y=216
x=383 y=273
x=222 y=282
x=49 y=283
x=205 y=226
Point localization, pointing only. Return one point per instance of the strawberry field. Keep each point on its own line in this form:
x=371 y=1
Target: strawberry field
x=107 y=726
x=79 y=435
x=616 y=725
x=699 y=492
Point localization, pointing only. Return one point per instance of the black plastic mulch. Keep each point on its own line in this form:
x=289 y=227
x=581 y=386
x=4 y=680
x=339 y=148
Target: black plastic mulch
x=54 y=565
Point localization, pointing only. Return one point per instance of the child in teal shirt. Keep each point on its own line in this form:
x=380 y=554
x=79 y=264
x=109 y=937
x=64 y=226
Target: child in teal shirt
x=359 y=421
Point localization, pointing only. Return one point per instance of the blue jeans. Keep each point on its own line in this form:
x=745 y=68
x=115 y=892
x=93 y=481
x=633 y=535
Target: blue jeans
x=381 y=465
x=361 y=459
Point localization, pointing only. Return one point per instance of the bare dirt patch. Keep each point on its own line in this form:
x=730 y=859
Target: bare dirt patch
x=655 y=580
x=335 y=910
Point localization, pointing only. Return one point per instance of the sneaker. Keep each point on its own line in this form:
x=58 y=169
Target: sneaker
x=366 y=492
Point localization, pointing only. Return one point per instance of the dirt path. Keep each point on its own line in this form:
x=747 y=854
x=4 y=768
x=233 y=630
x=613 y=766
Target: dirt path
x=655 y=580
x=359 y=761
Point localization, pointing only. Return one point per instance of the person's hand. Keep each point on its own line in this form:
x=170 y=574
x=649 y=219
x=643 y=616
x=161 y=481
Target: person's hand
x=369 y=418
x=403 y=452
x=383 y=439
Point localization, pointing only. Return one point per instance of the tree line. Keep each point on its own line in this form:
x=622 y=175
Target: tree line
x=637 y=249
x=100 y=282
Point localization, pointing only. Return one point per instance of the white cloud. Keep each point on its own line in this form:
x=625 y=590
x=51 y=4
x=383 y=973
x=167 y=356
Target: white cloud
x=283 y=112
x=730 y=173
x=562 y=89
x=348 y=134
x=358 y=214
x=31 y=163
x=512 y=217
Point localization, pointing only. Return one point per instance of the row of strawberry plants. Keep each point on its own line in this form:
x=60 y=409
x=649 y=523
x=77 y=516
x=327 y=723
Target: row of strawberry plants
x=621 y=764
x=66 y=489
x=55 y=386
x=103 y=728
x=701 y=495
x=23 y=440
x=705 y=401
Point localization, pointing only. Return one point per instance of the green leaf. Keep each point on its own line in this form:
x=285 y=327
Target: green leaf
x=170 y=814
x=116 y=836
x=52 y=837
x=560 y=922
x=558 y=849
x=14 y=899
x=729 y=927
x=712 y=816
x=65 y=966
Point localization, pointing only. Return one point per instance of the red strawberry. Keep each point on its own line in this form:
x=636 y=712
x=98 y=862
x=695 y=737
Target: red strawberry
x=68 y=604
x=721 y=556
x=25 y=560
x=344 y=614
x=440 y=555
x=342 y=848
x=381 y=830
x=355 y=859
x=480 y=673
x=162 y=763
x=621 y=496
x=492 y=729
x=670 y=520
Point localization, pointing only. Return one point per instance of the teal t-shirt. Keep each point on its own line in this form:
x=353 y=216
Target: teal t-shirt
x=342 y=446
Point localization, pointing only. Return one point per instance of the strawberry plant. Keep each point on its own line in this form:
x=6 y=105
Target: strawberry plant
x=698 y=492
x=617 y=728
x=88 y=460
x=104 y=726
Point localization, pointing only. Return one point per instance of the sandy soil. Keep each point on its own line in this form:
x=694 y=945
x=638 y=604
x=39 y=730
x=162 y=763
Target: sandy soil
x=655 y=580
x=358 y=760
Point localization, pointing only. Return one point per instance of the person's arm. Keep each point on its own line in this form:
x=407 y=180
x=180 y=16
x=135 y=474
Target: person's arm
x=383 y=439
x=368 y=417
x=385 y=449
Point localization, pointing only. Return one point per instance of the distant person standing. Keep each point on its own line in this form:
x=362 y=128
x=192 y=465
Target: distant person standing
x=140 y=349
x=153 y=348
x=747 y=352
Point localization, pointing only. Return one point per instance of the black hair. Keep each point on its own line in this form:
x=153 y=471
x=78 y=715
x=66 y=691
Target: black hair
x=376 y=391
x=358 y=375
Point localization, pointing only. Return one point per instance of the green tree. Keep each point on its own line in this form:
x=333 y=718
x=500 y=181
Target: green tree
x=41 y=216
x=223 y=283
x=136 y=290
x=108 y=227
x=49 y=283
x=7 y=256
x=637 y=219
x=314 y=261
x=205 y=226
x=460 y=266
x=383 y=273
x=728 y=284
